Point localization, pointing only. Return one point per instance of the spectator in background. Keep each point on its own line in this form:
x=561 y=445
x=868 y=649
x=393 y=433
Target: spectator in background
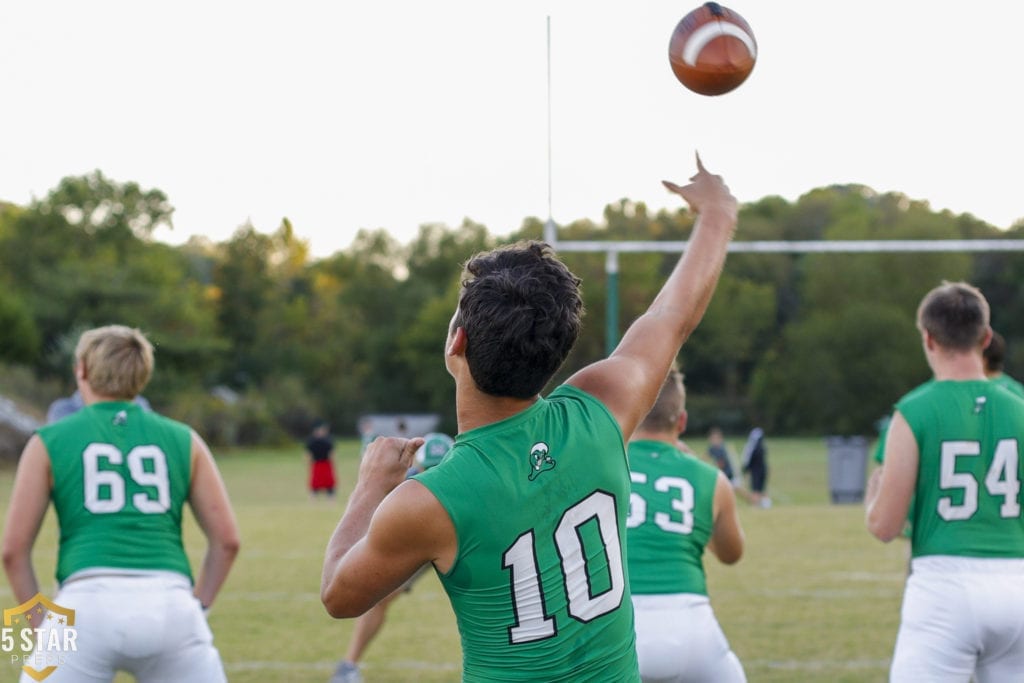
x=320 y=449
x=718 y=451
x=995 y=355
x=366 y=432
x=755 y=464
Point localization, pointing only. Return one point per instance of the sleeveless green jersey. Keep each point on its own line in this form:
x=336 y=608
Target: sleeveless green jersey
x=539 y=586
x=1010 y=383
x=967 y=496
x=671 y=517
x=120 y=478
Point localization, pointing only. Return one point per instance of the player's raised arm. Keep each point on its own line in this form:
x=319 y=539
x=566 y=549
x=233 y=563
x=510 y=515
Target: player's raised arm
x=628 y=381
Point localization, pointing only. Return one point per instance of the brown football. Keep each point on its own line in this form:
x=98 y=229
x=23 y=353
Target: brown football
x=712 y=50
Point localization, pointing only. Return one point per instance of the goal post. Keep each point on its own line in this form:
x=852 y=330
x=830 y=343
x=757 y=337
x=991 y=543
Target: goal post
x=612 y=249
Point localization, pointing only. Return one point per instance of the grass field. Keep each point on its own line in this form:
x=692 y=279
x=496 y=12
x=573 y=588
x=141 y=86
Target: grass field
x=815 y=598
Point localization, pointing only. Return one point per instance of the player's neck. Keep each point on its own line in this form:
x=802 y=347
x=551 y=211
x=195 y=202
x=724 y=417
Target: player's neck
x=958 y=367
x=90 y=397
x=647 y=435
x=474 y=408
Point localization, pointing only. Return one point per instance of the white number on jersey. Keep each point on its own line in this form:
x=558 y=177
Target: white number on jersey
x=532 y=622
x=1002 y=479
x=683 y=504
x=96 y=479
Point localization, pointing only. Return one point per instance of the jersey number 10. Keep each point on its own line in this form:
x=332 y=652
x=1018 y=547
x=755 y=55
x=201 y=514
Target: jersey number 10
x=528 y=603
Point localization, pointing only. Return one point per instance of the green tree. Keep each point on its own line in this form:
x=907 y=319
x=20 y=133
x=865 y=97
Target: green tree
x=19 y=338
x=727 y=343
x=837 y=372
x=243 y=283
x=82 y=257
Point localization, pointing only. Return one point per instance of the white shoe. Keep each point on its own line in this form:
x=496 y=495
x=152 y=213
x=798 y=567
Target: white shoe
x=347 y=672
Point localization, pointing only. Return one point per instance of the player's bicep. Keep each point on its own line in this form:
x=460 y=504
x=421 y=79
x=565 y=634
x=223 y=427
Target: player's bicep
x=409 y=529
x=208 y=497
x=887 y=513
x=626 y=385
x=30 y=497
x=727 y=538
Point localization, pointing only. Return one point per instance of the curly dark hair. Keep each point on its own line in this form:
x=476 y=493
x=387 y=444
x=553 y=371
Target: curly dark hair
x=522 y=310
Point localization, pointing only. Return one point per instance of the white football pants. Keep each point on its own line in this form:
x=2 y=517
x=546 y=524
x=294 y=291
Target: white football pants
x=678 y=639
x=147 y=624
x=961 y=616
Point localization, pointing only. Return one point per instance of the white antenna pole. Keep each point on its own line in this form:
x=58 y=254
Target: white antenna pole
x=549 y=227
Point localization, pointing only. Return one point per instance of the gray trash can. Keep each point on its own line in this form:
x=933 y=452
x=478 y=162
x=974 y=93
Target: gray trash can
x=847 y=468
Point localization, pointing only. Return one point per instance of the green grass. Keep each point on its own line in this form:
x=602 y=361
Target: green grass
x=815 y=598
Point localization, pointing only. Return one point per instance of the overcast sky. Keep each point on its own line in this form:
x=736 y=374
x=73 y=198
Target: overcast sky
x=349 y=115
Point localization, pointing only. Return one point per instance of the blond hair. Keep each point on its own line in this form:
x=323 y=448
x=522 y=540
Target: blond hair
x=117 y=360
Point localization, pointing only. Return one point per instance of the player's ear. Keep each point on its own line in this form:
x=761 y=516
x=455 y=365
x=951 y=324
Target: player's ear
x=987 y=339
x=681 y=423
x=927 y=341
x=457 y=342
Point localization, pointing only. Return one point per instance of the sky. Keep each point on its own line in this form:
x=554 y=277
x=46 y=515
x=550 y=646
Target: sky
x=392 y=114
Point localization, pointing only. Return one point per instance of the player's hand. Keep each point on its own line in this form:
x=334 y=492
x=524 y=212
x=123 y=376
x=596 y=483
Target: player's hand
x=705 y=192
x=386 y=461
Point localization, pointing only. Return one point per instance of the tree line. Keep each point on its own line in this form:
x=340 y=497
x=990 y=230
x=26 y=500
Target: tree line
x=255 y=338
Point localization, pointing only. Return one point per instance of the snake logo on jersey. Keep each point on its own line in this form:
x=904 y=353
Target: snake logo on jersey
x=40 y=650
x=540 y=460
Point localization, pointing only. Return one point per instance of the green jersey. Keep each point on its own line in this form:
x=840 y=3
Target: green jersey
x=120 y=479
x=538 y=586
x=967 y=496
x=671 y=518
x=1004 y=380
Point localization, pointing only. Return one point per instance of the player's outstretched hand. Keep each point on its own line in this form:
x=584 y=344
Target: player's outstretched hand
x=705 y=192
x=386 y=461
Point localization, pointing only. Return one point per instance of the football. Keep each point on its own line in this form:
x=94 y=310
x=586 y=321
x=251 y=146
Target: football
x=712 y=50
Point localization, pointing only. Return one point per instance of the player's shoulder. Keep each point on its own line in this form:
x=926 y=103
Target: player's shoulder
x=577 y=404
x=922 y=392
x=1009 y=385
x=667 y=454
x=152 y=417
x=699 y=465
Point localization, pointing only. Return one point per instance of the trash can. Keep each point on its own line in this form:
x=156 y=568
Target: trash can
x=847 y=468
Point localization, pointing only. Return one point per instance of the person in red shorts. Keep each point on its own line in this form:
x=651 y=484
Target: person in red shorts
x=320 y=449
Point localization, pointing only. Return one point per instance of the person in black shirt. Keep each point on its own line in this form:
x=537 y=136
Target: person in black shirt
x=320 y=449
